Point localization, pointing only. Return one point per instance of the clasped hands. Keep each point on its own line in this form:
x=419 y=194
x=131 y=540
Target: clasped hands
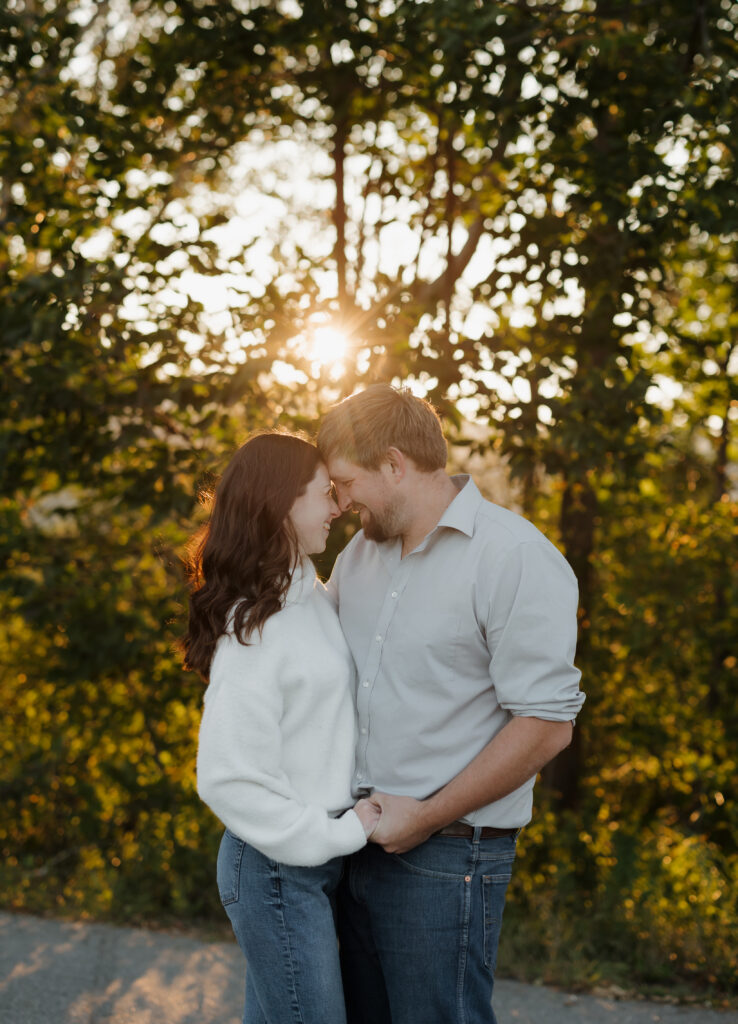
x=396 y=823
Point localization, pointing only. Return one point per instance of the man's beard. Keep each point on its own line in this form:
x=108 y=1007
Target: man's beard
x=381 y=526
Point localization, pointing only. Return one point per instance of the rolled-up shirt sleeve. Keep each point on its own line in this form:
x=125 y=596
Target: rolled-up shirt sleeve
x=531 y=634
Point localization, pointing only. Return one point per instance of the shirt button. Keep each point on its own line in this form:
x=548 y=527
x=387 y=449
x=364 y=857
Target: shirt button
x=378 y=639
x=394 y=593
x=363 y=730
x=365 y=683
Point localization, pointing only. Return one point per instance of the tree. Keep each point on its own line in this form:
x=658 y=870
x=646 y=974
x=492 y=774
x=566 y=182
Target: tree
x=526 y=210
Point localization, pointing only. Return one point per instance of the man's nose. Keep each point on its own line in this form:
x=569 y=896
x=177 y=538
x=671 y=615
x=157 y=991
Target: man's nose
x=343 y=499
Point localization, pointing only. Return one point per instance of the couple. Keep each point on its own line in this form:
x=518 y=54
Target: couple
x=396 y=718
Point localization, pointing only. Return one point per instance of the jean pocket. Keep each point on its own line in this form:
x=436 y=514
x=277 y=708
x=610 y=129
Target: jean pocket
x=494 y=888
x=230 y=854
x=432 y=860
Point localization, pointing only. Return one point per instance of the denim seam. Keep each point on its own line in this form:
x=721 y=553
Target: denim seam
x=464 y=946
x=424 y=871
x=500 y=857
x=287 y=948
x=490 y=919
x=487 y=918
x=499 y=878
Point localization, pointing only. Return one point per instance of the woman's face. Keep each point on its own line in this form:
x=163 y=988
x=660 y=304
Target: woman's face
x=313 y=512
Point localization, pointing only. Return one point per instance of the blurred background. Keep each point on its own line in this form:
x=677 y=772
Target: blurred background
x=223 y=215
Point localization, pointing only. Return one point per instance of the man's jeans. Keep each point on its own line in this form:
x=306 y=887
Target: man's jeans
x=283 y=918
x=419 y=931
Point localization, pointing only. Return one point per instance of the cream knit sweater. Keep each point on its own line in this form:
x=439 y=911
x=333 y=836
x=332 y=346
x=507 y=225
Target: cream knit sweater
x=278 y=732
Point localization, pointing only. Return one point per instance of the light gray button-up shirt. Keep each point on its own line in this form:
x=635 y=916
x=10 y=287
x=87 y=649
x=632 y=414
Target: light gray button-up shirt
x=477 y=624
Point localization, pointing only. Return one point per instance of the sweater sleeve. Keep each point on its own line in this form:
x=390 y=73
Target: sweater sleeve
x=239 y=772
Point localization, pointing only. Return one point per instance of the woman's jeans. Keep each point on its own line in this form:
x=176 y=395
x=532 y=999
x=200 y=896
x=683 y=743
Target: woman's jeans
x=419 y=930
x=283 y=918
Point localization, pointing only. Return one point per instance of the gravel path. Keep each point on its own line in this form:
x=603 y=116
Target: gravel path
x=77 y=973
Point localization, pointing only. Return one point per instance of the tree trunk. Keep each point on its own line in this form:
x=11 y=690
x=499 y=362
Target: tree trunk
x=722 y=581
x=577 y=524
x=339 y=210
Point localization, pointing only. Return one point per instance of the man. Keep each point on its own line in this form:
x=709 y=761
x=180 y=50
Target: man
x=461 y=618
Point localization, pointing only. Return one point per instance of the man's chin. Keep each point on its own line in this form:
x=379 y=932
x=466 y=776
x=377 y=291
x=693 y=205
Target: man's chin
x=374 y=530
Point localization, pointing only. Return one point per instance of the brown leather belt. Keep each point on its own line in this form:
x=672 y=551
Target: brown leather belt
x=460 y=828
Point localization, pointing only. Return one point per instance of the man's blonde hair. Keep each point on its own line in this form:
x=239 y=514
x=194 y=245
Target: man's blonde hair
x=365 y=426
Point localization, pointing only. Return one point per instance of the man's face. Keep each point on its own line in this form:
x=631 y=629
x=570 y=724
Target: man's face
x=368 y=492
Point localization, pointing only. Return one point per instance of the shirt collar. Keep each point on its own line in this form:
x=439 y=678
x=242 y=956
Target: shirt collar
x=461 y=514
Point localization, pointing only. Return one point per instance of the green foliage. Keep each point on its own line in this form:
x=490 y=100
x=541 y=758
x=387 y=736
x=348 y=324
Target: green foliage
x=106 y=430
x=619 y=901
x=562 y=178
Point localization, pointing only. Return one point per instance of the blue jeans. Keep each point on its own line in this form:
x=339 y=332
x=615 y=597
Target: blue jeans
x=419 y=931
x=283 y=918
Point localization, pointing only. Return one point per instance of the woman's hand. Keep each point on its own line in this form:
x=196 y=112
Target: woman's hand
x=404 y=822
x=369 y=814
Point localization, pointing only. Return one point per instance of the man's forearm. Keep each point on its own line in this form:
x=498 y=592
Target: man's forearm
x=516 y=754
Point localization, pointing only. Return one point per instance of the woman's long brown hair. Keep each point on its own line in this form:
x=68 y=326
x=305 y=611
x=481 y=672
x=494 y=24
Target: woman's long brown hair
x=248 y=550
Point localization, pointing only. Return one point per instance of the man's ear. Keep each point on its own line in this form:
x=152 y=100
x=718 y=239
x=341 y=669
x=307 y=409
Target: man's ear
x=396 y=463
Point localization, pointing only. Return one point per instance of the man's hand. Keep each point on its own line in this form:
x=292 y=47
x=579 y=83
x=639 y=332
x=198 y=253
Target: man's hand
x=403 y=823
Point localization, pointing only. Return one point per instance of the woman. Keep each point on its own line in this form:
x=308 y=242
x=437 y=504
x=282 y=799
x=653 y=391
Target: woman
x=277 y=738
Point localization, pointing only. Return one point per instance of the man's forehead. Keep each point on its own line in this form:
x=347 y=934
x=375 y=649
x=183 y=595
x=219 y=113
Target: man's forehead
x=342 y=469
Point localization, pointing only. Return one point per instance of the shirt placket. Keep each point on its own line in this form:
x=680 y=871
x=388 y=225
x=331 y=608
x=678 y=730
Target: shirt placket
x=369 y=686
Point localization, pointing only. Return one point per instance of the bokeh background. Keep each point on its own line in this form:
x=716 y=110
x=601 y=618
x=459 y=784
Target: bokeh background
x=224 y=215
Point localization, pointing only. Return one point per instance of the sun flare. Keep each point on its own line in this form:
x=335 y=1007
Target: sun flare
x=327 y=346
